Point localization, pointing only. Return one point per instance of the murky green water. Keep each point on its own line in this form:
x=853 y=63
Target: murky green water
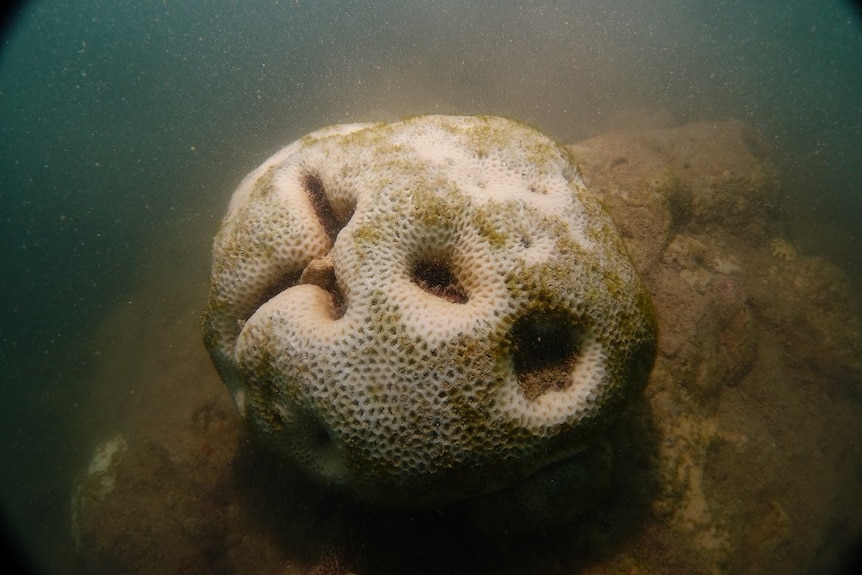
x=128 y=123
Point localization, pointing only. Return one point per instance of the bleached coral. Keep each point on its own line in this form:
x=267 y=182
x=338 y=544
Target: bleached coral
x=423 y=311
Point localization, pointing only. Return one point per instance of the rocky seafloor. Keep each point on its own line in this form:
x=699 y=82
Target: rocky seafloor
x=742 y=456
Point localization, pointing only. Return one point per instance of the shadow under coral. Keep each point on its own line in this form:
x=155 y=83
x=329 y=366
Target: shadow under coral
x=315 y=527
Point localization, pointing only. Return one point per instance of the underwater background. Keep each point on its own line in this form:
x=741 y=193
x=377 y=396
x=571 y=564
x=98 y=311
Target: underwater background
x=127 y=125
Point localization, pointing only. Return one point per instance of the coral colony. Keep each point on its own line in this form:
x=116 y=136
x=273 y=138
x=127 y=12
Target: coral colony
x=427 y=311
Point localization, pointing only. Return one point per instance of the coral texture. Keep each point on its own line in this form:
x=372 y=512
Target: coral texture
x=425 y=311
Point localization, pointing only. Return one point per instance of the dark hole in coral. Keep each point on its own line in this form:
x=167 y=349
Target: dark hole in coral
x=545 y=346
x=284 y=281
x=436 y=277
x=321 y=272
x=317 y=446
x=339 y=304
x=305 y=429
x=318 y=436
x=327 y=213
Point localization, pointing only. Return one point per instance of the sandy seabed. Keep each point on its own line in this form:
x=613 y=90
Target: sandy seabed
x=742 y=456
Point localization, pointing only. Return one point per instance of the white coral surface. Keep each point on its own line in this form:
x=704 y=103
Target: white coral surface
x=423 y=311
